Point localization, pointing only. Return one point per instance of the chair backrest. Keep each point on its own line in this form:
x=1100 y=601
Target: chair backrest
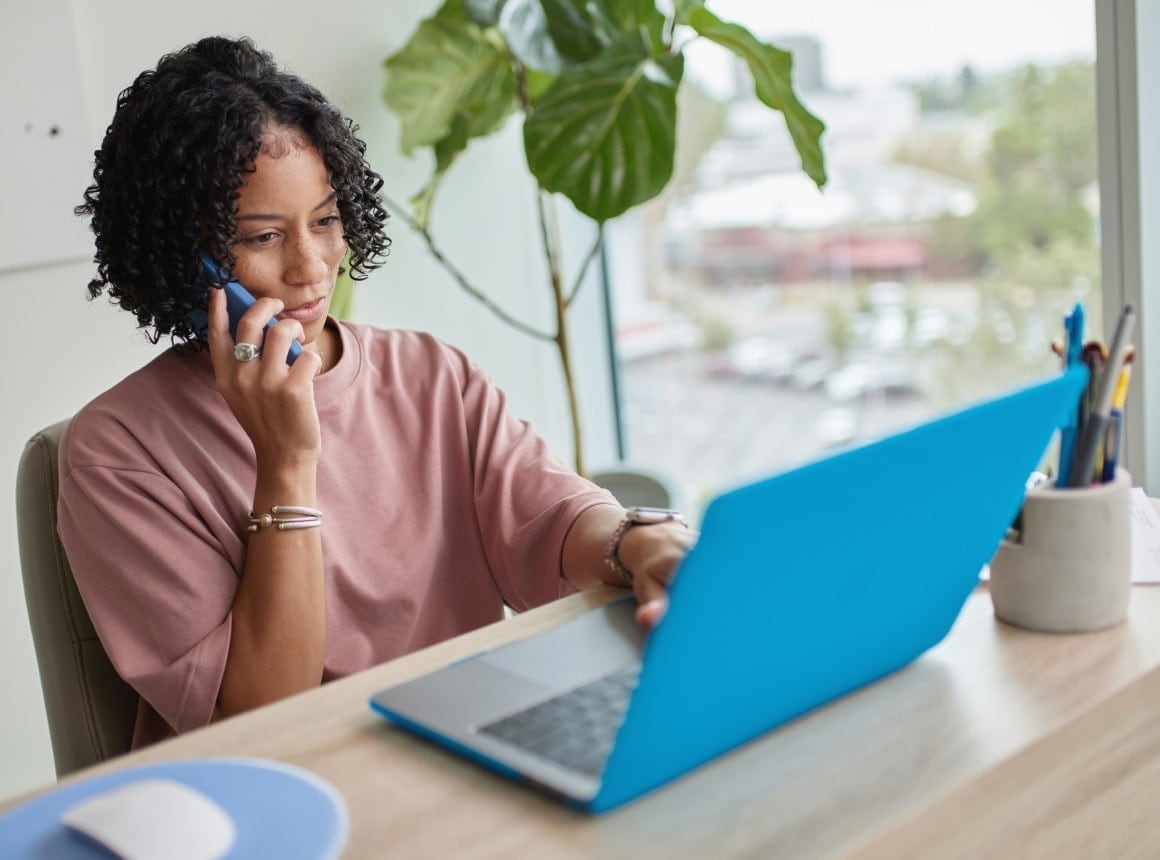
x=633 y=487
x=91 y=710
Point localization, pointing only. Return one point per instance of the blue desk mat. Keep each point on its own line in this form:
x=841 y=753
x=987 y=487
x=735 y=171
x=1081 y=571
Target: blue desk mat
x=278 y=811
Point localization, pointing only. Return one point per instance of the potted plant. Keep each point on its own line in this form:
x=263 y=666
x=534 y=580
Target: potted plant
x=596 y=83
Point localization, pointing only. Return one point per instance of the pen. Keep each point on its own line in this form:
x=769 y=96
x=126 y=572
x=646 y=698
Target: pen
x=1096 y=425
x=1115 y=435
x=1074 y=334
x=1073 y=329
x=1095 y=355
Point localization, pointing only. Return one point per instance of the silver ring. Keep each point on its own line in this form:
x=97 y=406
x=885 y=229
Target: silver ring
x=246 y=351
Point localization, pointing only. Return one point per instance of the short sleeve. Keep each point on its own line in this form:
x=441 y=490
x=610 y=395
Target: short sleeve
x=157 y=581
x=527 y=498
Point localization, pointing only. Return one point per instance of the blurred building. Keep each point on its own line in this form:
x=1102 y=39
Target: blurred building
x=755 y=216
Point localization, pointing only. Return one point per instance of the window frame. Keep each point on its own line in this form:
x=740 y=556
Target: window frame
x=1128 y=132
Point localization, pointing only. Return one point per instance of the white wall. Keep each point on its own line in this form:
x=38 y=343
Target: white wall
x=60 y=349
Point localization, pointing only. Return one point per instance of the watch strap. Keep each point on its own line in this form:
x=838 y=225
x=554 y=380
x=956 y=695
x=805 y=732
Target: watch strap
x=633 y=517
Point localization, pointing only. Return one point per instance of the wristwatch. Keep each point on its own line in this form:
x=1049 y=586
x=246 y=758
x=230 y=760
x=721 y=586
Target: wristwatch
x=633 y=517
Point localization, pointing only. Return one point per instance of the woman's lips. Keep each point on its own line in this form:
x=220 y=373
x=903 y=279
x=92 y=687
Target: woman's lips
x=307 y=313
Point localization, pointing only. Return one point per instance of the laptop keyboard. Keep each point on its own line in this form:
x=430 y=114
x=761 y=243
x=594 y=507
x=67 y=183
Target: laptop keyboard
x=574 y=729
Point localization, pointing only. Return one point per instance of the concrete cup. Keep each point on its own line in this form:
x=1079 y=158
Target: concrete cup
x=1070 y=569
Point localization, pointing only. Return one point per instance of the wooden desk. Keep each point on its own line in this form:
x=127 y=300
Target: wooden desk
x=997 y=742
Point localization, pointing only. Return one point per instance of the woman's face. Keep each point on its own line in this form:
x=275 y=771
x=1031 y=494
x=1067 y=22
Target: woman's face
x=289 y=243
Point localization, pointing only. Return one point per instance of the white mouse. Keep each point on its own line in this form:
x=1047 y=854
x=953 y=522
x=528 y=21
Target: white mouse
x=154 y=818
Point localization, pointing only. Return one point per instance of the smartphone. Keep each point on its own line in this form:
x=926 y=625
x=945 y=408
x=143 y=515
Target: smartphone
x=238 y=301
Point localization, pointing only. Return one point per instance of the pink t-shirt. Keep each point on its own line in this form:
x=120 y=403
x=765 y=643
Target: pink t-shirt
x=438 y=507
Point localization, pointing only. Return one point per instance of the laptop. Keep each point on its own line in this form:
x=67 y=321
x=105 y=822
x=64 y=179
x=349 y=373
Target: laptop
x=802 y=587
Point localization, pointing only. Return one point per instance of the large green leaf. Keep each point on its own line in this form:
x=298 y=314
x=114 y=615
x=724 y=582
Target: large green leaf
x=342 y=300
x=536 y=84
x=450 y=66
x=446 y=151
x=532 y=28
x=572 y=31
x=460 y=10
x=604 y=133
x=684 y=8
x=485 y=13
x=582 y=29
x=524 y=27
x=770 y=68
x=625 y=16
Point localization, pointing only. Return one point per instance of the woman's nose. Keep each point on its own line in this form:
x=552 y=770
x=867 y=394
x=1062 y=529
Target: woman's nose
x=305 y=264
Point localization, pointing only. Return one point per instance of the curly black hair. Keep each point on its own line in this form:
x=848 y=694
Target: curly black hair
x=168 y=173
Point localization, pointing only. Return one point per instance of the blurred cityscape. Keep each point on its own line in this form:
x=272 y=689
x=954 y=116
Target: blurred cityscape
x=773 y=321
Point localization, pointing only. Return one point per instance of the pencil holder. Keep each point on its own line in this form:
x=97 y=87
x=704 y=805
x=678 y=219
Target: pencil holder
x=1070 y=570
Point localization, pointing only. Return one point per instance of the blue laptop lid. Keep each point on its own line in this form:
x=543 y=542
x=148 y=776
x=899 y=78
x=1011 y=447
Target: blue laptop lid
x=811 y=583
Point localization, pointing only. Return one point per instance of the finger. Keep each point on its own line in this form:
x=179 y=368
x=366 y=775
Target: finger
x=653 y=583
x=252 y=325
x=308 y=364
x=221 y=345
x=652 y=595
x=649 y=615
x=279 y=338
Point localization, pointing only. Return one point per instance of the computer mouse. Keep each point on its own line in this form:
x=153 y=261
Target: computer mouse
x=154 y=818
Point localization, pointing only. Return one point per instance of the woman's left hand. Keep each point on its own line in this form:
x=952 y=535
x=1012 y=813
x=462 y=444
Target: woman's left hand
x=652 y=553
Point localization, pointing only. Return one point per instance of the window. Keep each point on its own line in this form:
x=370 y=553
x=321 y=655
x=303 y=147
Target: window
x=771 y=322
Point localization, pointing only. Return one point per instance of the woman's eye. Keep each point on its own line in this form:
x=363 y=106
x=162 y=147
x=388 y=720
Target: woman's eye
x=261 y=239
x=329 y=221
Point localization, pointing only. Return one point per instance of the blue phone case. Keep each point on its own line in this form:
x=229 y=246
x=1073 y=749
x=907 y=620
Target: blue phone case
x=238 y=301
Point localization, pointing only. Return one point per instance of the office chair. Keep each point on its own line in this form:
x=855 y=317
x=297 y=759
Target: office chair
x=91 y=710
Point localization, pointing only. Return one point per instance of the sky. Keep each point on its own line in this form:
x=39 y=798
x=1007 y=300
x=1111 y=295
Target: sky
x=879 y=41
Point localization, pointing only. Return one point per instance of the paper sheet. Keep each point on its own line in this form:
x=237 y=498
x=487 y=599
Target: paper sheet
x=1145 y=537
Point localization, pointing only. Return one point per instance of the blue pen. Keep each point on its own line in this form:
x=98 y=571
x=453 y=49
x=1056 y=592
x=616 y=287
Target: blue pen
x=1073 y=348
x=1112 y=441
x=1074 y=326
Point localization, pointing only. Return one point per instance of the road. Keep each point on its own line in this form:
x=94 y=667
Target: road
x=708 y=432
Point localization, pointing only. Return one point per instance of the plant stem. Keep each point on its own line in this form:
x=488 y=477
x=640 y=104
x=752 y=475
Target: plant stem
x=561 y=301
x=569 y=381
x=551 y=240
x=550 y=237
x=592 y=252
x=461 y=279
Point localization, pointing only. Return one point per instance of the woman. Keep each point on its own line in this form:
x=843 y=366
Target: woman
x=242 y=529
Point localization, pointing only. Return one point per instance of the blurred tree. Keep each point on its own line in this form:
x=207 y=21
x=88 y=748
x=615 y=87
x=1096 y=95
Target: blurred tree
x=1042 y=166
x=1034 y=231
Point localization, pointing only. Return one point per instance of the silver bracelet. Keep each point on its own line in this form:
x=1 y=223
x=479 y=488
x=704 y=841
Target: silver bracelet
x=285 y=517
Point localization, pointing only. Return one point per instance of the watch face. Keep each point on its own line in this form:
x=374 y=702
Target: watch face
x=649 y=516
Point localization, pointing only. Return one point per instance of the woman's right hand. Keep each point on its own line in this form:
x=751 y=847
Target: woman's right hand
x=273 y=401
x=278 y=620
